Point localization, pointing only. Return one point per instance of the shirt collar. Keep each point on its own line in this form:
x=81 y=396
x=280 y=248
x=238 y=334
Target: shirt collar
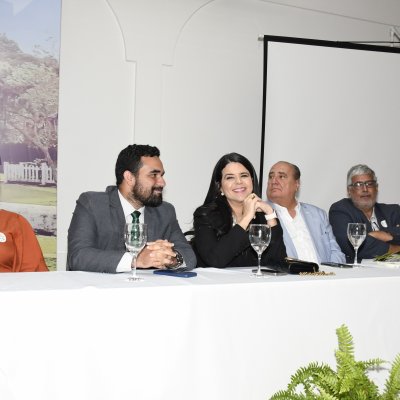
x=374 y=221
x=128 y=207
x=279 y=208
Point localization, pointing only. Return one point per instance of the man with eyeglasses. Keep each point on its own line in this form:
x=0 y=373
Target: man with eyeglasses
x=382 y=220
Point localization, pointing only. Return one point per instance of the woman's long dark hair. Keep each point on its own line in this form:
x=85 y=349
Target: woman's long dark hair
x=214 y=190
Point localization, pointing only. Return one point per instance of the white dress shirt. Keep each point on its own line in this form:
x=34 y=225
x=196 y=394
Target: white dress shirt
x=374 y=221
x=298 y=232
x=125 y=264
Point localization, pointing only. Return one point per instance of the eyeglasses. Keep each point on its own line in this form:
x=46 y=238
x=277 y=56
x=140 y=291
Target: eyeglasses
x=366 y=184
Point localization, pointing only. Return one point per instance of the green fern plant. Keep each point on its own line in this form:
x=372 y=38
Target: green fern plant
x=350 y=381
x=388 y=257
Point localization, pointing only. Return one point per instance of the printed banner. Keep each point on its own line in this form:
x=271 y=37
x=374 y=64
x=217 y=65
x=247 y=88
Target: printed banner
x=29 y=80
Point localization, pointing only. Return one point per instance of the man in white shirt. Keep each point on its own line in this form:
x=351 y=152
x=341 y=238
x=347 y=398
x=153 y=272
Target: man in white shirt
x=306 y=230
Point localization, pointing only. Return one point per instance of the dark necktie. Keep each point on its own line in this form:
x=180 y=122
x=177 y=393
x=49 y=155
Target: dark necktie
x=135 y=217
x=135 y=228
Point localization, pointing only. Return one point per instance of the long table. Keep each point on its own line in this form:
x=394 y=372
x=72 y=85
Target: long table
x=221 y=335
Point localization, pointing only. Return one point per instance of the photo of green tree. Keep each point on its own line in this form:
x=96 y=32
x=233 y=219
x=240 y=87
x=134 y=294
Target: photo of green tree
x=29 y=81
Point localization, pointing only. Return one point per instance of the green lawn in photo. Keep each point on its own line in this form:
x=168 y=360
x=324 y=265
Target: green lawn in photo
x=32 y=194
x=49 y=249
x=28 y=194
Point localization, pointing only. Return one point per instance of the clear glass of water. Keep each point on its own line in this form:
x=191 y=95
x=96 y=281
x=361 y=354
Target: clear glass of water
x=135 y=239
x=259 y=236
x=356 y=233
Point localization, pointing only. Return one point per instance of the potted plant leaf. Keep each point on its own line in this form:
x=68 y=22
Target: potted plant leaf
x=350 y=381
x=389 y=257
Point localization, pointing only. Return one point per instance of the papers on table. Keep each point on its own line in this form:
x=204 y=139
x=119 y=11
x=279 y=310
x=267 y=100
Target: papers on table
x=380 y=264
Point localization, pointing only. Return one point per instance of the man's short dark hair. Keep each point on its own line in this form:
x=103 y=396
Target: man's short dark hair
x=296 y=171
x=129 y=159
x=295 y=168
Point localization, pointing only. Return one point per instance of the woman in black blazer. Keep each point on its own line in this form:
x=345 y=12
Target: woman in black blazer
x=233 y=203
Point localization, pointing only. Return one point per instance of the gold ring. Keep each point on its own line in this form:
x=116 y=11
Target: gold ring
x=253 y=196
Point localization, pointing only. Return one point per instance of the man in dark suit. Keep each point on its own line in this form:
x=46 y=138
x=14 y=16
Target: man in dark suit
x=96 y=232
x=382 y=220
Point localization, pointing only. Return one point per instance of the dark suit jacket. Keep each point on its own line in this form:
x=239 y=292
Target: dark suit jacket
x=96 y=232
x=388 y=215
x=232 y=249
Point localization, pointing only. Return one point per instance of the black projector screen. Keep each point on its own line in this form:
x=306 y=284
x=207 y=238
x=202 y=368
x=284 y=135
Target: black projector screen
x=329 y=106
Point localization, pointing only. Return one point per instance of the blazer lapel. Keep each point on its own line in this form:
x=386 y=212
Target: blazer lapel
x=117 y=213
x=151 y=222
x=308 y=217
x=380 y=217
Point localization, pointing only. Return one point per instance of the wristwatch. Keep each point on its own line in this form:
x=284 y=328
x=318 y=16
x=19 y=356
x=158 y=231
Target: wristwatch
x=179 y=261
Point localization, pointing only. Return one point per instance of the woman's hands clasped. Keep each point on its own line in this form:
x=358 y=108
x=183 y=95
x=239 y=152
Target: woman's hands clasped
x=251 y=204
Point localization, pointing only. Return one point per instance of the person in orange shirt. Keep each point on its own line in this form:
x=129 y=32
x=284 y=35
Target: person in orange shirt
x=19 y=248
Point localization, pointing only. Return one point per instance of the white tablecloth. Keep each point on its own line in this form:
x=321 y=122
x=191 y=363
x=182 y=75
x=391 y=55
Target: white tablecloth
x=221 y=335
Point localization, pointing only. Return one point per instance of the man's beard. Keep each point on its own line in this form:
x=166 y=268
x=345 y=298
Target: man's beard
x=364 y=204
x=147 y=199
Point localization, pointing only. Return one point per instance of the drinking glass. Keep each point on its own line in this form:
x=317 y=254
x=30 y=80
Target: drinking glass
x=260 y=236
x=135 y=239
x=356 y=233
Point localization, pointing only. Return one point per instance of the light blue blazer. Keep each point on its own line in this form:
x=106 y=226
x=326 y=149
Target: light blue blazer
x=321 y=233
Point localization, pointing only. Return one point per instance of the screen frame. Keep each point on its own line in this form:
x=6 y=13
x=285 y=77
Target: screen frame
x=309 y=42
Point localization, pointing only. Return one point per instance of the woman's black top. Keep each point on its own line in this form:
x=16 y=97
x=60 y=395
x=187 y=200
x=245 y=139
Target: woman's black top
x=219 y=244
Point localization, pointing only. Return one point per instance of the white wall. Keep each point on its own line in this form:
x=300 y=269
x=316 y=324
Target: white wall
x=328 y=109
x=184 y=75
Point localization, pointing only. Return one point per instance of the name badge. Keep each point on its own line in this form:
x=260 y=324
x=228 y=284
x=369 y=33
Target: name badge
x=3 y=237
